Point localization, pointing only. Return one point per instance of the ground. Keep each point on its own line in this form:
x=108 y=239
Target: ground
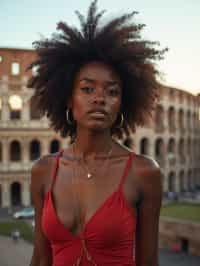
x=19 y=254
x=14 y=254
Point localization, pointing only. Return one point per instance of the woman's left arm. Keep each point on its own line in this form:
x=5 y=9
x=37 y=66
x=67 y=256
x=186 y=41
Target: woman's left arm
x=150 y=180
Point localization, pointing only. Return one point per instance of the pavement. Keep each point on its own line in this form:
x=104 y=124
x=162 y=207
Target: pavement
x=14 y=254
x=19 y=254
x=168 y=258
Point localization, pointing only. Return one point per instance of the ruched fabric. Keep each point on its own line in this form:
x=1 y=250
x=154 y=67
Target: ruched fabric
x=108 y=238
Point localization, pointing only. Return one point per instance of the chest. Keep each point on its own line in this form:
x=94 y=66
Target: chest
x=77 y=200
x=112 y=223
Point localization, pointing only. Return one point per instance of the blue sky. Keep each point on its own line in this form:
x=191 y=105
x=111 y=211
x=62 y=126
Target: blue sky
x=174 y=23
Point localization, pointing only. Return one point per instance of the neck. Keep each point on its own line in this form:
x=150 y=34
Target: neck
x=93 y=143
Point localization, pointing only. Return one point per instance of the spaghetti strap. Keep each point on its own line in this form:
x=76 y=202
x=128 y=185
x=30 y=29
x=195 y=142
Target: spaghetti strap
x=88 y=246
x=56 y=163
x=127 y=167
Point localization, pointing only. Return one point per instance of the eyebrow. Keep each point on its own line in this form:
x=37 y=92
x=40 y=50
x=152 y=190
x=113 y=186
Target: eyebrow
x=109 y=82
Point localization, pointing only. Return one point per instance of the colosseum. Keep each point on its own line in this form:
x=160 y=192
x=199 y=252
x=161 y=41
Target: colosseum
x=172 y=137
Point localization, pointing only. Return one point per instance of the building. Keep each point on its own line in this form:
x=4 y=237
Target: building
x=24 y=135
x=172 y=138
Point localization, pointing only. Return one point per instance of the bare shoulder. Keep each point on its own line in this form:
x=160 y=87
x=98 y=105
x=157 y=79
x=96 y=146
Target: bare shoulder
x=145 y=163
x=43 y=163
x=143 y=166
x=42 y=170
x=147 y=171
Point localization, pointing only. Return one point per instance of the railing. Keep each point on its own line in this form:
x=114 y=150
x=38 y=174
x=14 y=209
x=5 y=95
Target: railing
x=43 y=124
x=16 y=166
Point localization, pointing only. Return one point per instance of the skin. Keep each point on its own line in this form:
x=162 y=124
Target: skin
x=75 y=198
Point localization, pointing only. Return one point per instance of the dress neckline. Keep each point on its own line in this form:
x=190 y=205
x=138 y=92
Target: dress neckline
x=101 y=206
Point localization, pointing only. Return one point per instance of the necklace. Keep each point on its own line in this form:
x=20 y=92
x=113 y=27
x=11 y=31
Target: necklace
x=88 y=171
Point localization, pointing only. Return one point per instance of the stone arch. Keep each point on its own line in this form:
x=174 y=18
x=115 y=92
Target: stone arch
x=15 y=151
x=159 y=151
x=159 y=118
x=172 y=151
x=181 y=149
x=189 y=180
x=171 y=119
x=54 y=146
x=159 y=147
x=181 y=119
x=128 y=142
x=144 y=146
x=196 y=148
x=194 y=121
x=189 y=146
x=181 y=181
x=188 y=119
x=34 y=151
x=171 y=182
x=171 y=146
x=192 y=147
x=15 y=194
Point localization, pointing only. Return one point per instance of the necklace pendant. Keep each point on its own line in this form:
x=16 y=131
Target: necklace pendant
x=89 y=175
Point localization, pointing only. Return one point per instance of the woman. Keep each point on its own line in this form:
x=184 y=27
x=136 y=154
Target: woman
x=96 y=202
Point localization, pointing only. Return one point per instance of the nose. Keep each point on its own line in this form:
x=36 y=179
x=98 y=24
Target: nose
x=99 y=96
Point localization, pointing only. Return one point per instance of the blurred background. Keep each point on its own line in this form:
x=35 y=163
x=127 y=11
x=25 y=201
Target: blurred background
x=172 y=137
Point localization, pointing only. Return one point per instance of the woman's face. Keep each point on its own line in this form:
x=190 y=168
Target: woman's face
x=96 y=97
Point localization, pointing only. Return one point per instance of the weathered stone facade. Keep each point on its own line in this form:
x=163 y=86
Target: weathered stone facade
x=23 y=137
x=172 y=137
x=185 y=235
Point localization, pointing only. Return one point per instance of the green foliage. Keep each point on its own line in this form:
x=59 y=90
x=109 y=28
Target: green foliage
x=182 y=211
x=25 y=229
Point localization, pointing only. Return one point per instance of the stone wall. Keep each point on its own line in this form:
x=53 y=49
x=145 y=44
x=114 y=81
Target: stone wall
x=186 y=235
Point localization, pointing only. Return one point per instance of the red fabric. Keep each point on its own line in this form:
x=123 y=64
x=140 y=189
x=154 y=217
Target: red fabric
x=108 y=238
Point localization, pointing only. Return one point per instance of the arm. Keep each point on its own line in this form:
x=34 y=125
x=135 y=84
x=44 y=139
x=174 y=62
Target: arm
x=148 y=214
x=42 y=251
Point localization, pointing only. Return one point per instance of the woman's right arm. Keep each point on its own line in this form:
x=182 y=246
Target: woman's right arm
x=42 y=254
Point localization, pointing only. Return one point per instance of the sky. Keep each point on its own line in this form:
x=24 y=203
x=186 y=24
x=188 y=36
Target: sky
x=174 y=23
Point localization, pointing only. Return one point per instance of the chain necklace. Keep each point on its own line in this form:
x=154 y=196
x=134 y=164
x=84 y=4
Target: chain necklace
x=88 y=171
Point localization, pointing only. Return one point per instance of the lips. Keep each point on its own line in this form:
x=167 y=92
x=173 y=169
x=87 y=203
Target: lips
x=98 y=112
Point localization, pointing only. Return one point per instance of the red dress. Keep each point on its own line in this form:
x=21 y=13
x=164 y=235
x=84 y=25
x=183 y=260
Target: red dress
x=108 y=238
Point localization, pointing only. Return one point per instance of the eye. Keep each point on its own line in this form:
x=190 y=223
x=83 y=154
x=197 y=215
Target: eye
x=113 y=91
x=87 y=89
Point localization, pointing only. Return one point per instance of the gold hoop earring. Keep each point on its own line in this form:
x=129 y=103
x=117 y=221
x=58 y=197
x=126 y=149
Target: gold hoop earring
x=70 y=122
